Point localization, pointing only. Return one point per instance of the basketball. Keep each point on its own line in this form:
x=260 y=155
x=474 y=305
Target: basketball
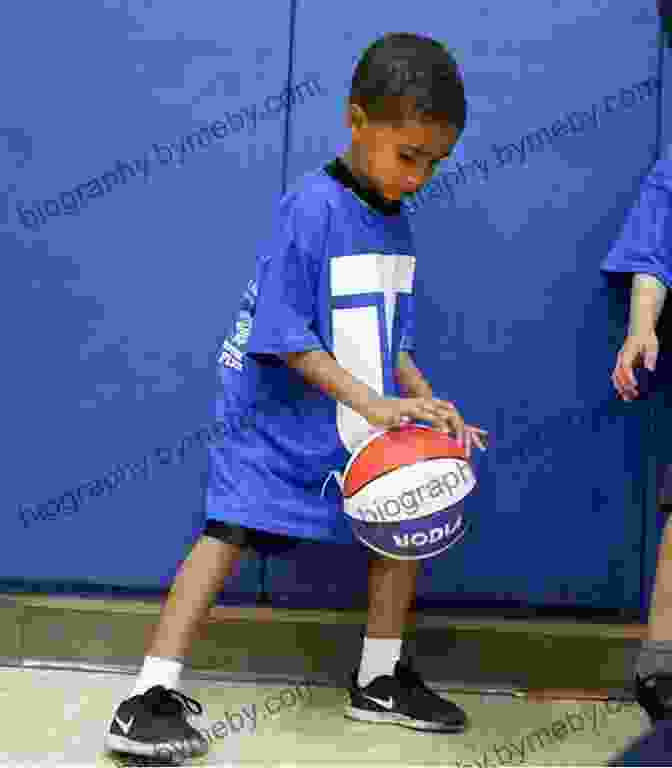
x=404 y=490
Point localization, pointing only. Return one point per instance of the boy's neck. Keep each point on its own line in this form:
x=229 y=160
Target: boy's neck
x=346 y=171
x=357 y=172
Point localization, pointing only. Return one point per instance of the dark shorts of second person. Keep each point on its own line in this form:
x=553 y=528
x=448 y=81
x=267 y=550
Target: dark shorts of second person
x=665 y=487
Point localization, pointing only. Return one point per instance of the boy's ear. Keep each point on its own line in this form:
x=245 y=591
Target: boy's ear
x=356 y=117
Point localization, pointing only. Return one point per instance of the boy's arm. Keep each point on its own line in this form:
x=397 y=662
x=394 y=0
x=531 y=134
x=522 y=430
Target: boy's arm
x=410 y=378
x=321 y=370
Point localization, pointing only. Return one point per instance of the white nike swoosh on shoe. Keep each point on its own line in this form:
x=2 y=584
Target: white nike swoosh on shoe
x=387 y=703
x=125 y=727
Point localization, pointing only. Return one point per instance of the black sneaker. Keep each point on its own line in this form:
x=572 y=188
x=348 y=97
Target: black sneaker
x=405 y=700
x=154 y=725
x=654 y=696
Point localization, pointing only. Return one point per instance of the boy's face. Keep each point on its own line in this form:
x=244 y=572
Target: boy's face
x=398 y=160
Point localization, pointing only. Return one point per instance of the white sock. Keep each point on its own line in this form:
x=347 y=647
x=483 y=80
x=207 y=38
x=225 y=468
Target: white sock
x=157 y=671
x=378 y=658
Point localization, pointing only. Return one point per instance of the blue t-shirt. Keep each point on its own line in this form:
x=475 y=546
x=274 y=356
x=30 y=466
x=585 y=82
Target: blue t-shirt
x=336 y=275
x=645 y=242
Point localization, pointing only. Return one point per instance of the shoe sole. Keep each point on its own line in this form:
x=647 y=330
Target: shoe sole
x=157 y=751
x=396 y=718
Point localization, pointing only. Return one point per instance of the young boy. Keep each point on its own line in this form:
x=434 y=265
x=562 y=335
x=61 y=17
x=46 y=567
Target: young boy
x=645 y=251
x=322 y=332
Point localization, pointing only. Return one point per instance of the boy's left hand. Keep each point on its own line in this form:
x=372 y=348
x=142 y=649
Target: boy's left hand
x=449 y=418
x=466 y=434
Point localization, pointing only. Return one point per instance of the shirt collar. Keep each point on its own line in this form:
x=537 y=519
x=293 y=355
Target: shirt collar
x=339 y=171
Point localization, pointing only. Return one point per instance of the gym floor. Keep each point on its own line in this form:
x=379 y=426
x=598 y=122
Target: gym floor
x=58 y=718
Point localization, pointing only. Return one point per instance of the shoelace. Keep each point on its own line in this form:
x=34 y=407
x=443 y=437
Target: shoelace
x=166 y=701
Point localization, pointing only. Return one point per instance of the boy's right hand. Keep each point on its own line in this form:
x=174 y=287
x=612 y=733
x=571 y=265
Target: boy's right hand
x=637 y=349
x=390 y=412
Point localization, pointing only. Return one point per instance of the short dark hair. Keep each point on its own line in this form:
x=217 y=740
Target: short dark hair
x=404 y=76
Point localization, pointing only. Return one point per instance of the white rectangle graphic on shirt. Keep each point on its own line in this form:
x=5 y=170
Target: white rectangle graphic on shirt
x=357 y=348
x=360 y=273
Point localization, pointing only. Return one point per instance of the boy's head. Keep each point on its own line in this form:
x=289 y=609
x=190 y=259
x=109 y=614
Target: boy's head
x=407 y=110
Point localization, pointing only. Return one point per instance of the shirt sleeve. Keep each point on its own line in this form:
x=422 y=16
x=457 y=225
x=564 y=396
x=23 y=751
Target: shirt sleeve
x=645 y=242
x=287 y=277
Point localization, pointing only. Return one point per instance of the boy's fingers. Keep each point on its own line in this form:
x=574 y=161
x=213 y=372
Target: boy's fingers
x=441 y=414
x=477 y=436
x=425 y=413
x=444 y=405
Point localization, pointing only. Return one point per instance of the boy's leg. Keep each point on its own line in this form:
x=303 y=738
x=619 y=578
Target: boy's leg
x=384 y=689
x=196 y=586
x=387 y=618
x=152 y=720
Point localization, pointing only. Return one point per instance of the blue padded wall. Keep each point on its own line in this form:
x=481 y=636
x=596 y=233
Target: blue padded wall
x=142 y=150
x=152 y=140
